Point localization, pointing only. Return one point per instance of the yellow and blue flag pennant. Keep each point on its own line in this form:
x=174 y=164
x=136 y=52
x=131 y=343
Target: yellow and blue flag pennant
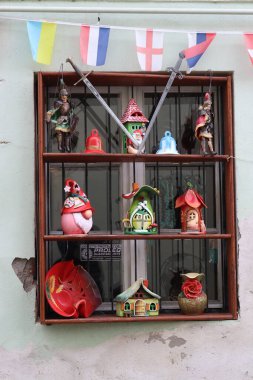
x=41 y=36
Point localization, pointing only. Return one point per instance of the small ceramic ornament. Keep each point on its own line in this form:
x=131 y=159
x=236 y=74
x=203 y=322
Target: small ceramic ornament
x=93 y=143
x=137 y=301
x=140 y=218
x=134 y=121
x=191 y=204
x=62 y=117
x=76 y=215
x=167 y=144
x=192 y=300
x=71 y=291
x=204 y=126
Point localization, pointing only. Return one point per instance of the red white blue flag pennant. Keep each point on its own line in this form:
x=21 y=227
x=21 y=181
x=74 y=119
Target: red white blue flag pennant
x=198 y=43
x=93 y=44
x=249 y=44
x=149 y=46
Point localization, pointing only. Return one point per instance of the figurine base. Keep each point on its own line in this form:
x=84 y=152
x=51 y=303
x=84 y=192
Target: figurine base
x=192 y=232
x=140 y=232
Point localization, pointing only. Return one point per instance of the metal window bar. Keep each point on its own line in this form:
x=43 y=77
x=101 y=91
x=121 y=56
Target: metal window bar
x=180 y=247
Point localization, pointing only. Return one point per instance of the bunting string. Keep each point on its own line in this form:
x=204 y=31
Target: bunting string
x=94 y=40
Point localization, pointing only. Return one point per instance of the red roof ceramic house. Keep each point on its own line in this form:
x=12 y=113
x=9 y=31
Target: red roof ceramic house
x=134 y=121
x=191 y=204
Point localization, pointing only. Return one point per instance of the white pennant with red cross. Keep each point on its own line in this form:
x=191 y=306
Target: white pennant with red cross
x=149 y=46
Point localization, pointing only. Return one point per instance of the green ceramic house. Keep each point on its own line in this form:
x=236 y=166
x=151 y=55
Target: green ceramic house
x=134 y=121
x=140 y=217
x=137 y=301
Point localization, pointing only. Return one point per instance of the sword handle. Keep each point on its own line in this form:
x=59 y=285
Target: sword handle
x=77 y=70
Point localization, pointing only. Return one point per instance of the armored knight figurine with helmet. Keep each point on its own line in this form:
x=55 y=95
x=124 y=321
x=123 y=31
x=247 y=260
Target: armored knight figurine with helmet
x=204 y=125
x=63 y=119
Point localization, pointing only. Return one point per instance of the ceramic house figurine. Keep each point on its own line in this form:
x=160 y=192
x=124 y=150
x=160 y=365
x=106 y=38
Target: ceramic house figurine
x=191 y=204
x=140 y=218
x=71 y=291
x=167 y=144
x=93 y=143
x=63 y=119
x=134 y=121
x=137 y=301
x=204 y=126
x=76 y=215
x=192 y=300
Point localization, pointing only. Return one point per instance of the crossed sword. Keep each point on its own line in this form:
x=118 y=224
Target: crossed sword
x=140 y=145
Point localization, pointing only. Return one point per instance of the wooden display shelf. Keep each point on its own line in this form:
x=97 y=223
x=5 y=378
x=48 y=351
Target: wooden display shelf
x=93 y=237
x=105 y=318
x=117 y=157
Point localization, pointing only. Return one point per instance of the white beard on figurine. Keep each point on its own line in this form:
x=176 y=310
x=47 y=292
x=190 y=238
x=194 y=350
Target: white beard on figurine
x=76 y=214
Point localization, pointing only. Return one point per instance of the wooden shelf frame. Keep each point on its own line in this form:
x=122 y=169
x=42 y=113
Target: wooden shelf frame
x=163 y=158
x=98 y=237
x=41 y=158
x=105 y=318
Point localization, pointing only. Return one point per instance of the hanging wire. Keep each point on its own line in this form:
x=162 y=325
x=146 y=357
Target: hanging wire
x=210 y=80
x=59 y=80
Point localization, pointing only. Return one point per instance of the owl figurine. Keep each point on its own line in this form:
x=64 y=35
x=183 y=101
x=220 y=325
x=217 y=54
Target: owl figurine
x=76 y=214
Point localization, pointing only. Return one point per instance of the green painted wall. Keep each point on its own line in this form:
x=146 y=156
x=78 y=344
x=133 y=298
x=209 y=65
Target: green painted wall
x=161 y=351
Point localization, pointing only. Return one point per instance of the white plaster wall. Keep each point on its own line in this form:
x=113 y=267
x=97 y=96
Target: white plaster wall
x=162 y=351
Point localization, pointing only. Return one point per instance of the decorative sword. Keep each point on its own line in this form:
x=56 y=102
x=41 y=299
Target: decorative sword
x=174 y=72
x=86 y=81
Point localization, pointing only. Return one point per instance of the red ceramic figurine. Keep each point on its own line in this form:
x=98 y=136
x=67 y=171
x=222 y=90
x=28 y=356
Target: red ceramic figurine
x=191 y=204
x=204 y=125
x=77 y=212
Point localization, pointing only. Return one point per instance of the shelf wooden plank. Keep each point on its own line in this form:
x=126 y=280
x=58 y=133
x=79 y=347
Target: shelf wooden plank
x=116 y=157
x=105 y=318
x=96 y=237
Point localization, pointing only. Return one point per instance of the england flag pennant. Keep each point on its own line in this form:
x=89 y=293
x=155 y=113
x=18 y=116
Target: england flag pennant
x=93 y=44
x=249 y=45
x=149 y=46
x=198 y=43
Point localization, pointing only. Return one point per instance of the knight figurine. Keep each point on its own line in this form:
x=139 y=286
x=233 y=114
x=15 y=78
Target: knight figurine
x=204 y=125
x=63 y=119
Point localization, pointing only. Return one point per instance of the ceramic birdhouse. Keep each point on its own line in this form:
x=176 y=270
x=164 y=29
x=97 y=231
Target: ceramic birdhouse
x=93 y=143
x=71 y=291
x=134 y=121
x=191 y=204
x=167 y=144
x=140 y=218
x=137 y=301
x=76 y=215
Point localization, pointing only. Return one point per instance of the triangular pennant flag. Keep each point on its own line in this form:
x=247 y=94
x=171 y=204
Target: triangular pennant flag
x=249 y=45
x=41 y=36
x=198 y=43
x=93 y=44
x=149 y=46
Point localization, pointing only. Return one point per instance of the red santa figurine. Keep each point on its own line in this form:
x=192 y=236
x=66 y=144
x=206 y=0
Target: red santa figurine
x=138 y=134
x=76 y=215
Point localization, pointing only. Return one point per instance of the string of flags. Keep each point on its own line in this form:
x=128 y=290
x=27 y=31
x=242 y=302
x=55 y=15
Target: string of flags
x=94 y=41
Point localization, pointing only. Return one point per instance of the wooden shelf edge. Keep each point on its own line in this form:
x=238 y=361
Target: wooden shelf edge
x=96 y=237
x=107 y=157
x=160 y=318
